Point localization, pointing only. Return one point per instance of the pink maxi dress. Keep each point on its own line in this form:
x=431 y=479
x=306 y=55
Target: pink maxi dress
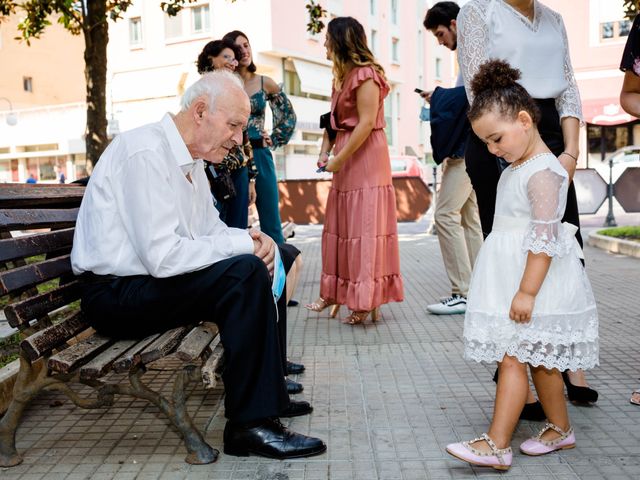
x=360 y=257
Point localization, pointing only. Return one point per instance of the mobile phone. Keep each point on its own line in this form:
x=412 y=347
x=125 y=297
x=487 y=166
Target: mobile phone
x=417 y=90
x=321 y=169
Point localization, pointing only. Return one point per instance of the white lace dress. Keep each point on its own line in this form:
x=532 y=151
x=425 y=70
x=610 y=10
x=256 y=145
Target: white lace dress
x=563 y=331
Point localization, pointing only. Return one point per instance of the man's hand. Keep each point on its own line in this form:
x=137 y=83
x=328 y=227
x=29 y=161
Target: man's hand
x=521 y=307
x=264 y=248
x=427 y=96
x=252 y=193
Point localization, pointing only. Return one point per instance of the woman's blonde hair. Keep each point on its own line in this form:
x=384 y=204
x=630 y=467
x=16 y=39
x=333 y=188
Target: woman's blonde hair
x=348 y=44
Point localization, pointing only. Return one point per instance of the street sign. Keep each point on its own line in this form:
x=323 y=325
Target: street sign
x=627 y=189
x=591 y=190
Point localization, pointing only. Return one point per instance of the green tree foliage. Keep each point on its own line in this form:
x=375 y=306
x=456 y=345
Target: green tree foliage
x=90 y=18
x=631 y=8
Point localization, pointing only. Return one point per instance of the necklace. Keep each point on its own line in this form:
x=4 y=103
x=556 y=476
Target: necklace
x=528 y=160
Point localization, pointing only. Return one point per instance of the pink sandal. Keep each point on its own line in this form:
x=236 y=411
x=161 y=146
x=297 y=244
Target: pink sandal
x=537 y=446
x=498 y=458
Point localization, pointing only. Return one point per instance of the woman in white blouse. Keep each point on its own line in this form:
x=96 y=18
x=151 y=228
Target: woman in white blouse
x=531 y=37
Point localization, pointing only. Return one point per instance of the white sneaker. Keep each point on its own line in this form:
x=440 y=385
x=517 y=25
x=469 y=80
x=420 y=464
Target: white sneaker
x=449 y=306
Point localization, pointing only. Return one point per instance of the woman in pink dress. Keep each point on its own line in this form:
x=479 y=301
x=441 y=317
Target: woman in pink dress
x=360 y=259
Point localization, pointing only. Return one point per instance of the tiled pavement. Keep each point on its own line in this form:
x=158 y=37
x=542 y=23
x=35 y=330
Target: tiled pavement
x=387 y=397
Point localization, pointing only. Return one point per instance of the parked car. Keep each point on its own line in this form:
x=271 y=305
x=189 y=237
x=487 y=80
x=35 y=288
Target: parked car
x=621 y=159
x=408 y=166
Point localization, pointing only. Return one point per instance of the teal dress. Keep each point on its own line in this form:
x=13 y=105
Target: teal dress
x=284 y=122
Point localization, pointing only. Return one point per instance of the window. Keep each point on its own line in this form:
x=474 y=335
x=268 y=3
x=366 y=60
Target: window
x=438 y=68
x=374 y=42
x=388 y=118
x=27 y=84
x=617 y=29
x=394 y=12
x=135 y=31
x=372 y=7
x=395 y=50
x=200 y=19
x=173 y=26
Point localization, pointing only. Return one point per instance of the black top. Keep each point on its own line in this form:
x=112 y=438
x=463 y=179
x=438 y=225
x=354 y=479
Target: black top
x=631 y=56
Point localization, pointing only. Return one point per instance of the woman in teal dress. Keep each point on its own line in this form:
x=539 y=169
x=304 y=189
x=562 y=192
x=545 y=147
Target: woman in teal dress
x=262 y=90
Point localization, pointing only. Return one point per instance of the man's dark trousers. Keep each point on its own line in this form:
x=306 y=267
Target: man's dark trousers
x=236 y=295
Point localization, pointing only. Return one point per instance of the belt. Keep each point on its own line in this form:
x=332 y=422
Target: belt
x=90 y=277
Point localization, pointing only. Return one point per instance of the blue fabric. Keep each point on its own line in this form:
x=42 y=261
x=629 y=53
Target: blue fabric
x=267 y=202
x=279 y=276
x=235 y=213
x=449 y=124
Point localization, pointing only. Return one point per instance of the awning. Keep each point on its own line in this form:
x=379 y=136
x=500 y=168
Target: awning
x=605 y=111
x=314 y=78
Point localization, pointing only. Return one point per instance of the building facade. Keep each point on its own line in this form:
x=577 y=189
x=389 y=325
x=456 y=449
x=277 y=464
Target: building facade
x=42 y=104
x=152 y=58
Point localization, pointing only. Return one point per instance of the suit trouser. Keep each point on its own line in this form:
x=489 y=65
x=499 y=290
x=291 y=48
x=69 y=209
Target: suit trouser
x=484 y=169
x=236 y=295
x=458 y=224
x=267 y=199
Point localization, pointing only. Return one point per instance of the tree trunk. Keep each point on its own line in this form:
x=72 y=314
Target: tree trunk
x=96 y=37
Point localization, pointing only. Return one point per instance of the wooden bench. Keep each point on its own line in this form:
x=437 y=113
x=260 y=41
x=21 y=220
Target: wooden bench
x=59 y=348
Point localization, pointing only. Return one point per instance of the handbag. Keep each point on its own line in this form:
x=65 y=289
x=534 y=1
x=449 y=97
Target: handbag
x=325 y=122
x=221 y=184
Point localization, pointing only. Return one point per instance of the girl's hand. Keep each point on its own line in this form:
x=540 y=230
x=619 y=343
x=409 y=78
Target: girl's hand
x=521 y=307
x=323 y=159
x=334 y=164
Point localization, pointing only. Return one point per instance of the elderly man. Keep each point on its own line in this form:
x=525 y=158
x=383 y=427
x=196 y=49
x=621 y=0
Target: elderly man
x=154 y=254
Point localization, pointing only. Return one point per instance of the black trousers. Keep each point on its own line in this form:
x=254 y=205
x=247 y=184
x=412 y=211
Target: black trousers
x=484 y=169
x=236 y=295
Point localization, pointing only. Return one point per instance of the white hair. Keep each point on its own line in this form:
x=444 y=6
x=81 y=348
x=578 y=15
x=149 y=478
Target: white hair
x=211 y=84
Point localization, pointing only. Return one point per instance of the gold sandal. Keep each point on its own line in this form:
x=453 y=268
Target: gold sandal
x=356 y=318
x=320 y=304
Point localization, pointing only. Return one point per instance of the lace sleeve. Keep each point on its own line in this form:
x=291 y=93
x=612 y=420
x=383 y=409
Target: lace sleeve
x=473 y=40
x=568 y=103
x=547 y=194
x=284 y=118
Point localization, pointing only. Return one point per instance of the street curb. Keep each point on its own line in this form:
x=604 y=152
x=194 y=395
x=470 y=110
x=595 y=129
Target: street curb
x=614 y=245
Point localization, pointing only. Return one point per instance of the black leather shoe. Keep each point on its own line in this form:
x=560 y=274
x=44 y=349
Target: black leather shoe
x=533 y=411
x=297 y=408
x=293 y=387
x=579 y=394
x=294 y=368
x=269 y=438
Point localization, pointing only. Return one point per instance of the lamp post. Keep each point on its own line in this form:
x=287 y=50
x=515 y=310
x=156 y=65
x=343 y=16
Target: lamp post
x=12 y=118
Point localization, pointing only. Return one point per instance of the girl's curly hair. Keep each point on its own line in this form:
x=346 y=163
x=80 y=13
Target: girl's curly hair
x=495 y=88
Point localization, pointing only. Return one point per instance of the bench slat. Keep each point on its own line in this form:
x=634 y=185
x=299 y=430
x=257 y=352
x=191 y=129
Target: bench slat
x=34 y=273
x=131 y=356
x=196 y=341
x=37 y=244
x=37 y=218
x=22 y=312
x=210 y=366
x=24 y=196
x=78 y=353
x=102 y=363
x=42 y=342
x=163 y=345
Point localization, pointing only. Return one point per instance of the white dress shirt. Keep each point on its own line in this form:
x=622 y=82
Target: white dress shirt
x=492 y=29
x=141 y=216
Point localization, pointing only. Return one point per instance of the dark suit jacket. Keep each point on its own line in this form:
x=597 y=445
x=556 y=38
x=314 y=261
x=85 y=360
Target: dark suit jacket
x=449 y=124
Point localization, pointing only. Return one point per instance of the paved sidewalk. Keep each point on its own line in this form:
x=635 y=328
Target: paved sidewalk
x=387 y=396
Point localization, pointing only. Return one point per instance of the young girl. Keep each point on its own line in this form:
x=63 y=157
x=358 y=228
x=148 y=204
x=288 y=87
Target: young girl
x=530 y=301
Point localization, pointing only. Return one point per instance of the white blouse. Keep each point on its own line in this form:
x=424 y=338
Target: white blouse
x=490 y=29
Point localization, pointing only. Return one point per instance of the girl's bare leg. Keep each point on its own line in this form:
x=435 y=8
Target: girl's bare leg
x=292 y=277
x=550 y=389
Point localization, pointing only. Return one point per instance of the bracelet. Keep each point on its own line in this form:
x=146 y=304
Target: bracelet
x=566 y=153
